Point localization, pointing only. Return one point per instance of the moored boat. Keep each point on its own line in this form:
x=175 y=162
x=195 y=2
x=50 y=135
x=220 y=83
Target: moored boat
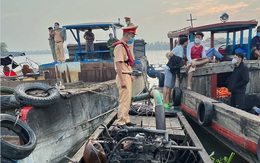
x=154 y=139
x=237 y=129
x=62 y=121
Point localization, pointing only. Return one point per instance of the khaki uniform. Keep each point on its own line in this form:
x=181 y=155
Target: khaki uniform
x=59 y=46
x=52 y=45
x=125 y=95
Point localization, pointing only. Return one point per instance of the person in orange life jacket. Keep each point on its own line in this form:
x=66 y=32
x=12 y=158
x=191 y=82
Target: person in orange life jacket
x=197 y=55
x=123 y=67
x=8 y=72
x=238 y=81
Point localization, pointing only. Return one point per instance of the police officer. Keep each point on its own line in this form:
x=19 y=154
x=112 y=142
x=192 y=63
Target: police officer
x=123 y=65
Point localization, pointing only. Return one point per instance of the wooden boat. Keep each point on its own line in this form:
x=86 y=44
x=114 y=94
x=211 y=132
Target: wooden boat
x=237 y=129
x=81 y=66
x=154 y=139
x=90 y=94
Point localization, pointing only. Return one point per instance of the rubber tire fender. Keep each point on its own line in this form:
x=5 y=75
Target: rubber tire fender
x=176 y=96
x=13 y=151
x=161 y=79
x=205 y=113
x=29 y=100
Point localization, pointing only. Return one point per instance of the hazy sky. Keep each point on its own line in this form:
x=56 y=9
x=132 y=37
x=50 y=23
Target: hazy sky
x=24 y=23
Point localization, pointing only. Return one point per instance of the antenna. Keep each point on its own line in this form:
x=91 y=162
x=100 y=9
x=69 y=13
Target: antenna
x=191 y=20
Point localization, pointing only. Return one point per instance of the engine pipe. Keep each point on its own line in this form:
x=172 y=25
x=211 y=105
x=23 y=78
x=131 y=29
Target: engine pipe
x=159 y=109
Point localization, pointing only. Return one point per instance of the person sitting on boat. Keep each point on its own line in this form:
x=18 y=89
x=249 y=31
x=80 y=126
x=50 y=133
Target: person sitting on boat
x=197 y=55
x=238 y=81
x=26 y=69
x=110 y=43
x=172 y=70
x=89 y=37
x=8 y=72
x=123 y=65
x=59 y=38
x=255 y=45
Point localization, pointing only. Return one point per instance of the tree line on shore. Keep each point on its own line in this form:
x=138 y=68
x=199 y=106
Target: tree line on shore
x=158 y=45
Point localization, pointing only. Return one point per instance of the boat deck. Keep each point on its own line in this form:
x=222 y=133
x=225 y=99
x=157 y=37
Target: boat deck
x=173 y=125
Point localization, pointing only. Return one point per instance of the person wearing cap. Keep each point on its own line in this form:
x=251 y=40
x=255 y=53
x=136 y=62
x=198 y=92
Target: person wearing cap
x=52 y=43
x=255 y=45
x=197 y=55
x=59 y=39
x=123 y=65
x=172 y=70
x=110 y=43
x=238 y=81
x=128 y=21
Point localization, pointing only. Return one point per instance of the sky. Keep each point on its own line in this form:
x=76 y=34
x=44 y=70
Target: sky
x=24 y=23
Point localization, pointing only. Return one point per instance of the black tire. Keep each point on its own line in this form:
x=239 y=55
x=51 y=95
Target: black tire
x=6 y=90
x=13 y=151
x=205 y=113
x=48 y=95
x=161 y=79
x=176 y=96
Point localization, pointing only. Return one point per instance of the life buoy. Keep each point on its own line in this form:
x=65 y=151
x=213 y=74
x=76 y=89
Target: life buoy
x=205 y=113
x=13 y=151
x=161 y=79
x=176 y=96
x=36 y=94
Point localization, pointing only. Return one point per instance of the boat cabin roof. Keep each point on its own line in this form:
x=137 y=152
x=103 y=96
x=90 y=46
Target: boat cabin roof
x=94 y=25
x=222 y=27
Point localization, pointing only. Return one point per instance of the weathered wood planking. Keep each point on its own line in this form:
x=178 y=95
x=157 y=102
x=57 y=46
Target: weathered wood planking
x=173 y=125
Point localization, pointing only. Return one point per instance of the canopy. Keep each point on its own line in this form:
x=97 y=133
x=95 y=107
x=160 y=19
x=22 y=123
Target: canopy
x=96 y=25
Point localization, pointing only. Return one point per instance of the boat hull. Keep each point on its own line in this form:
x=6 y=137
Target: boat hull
x=65 y=125
x=235 y=128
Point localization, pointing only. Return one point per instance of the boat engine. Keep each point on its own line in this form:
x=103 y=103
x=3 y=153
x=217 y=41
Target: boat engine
x=138 y=145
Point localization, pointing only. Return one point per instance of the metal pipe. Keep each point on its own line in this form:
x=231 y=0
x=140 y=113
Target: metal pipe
x=143 y=96
x=143 y=130
x=159 y=109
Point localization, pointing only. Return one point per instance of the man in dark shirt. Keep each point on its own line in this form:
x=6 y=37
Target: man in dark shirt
x=238 y=81
x=255 y=45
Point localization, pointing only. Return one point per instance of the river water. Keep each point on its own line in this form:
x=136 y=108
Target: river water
x=159 y=59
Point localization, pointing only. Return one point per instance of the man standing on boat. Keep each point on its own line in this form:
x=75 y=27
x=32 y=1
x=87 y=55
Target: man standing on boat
x=238 y=81
x=52 y=43
x=172 y=70
x=255 y=45
x=89 y=37
x=110 y=43
x=197 y=55
x=123 y=65
x=59 y=39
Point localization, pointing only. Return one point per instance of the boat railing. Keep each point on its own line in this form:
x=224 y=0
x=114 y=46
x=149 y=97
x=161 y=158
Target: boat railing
x=98 y=52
